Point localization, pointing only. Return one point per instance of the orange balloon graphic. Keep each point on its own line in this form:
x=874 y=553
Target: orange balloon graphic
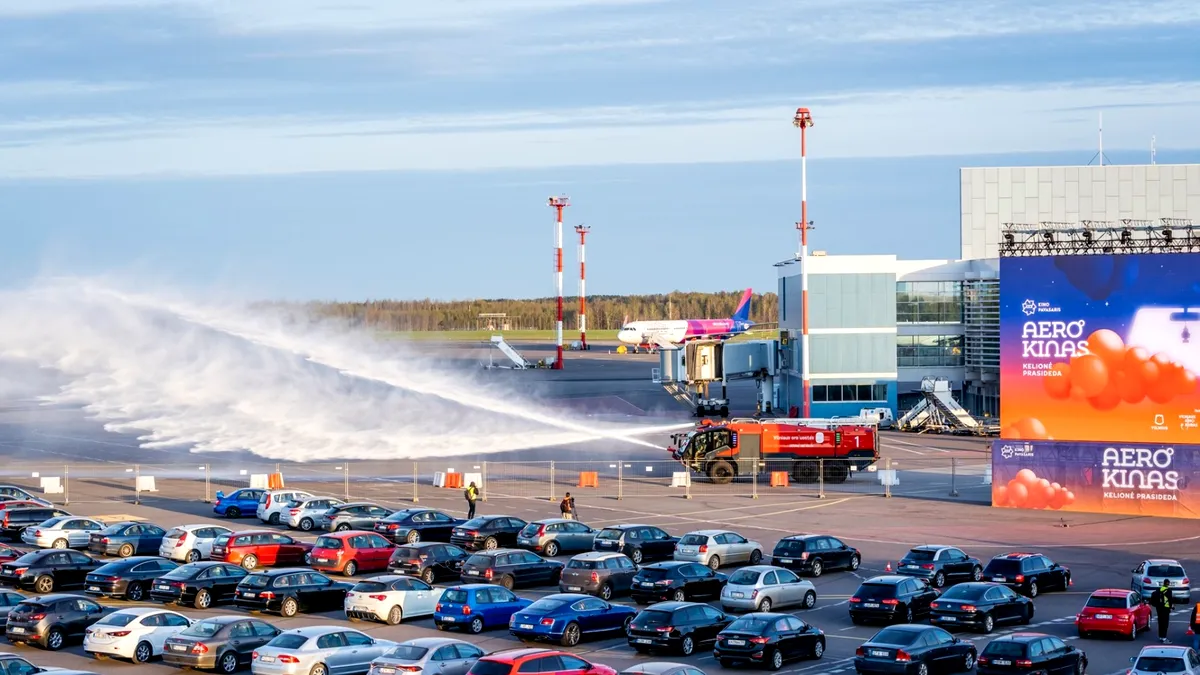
x=1030 y=429
x=1111 y=396
x=1070 y=499
x=1108 y=346
x=1129 y=384
x=1135 y=357
x=1058 y=385
x=999 y=495
x=1164 y=387
x=1037 y=497
x=1059 y=499
x=1149 y=371
x=1017 y=493
x=1089 y=373
x=1189 y=383
x=1027 y=476
x=1011 y=432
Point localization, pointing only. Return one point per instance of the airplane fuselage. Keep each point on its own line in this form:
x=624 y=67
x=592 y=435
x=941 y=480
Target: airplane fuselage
x=680 y=331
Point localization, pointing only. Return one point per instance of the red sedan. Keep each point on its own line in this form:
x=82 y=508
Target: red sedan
x=1113 y=610
x=351 y=552
x=254 y=548
x=9 y=554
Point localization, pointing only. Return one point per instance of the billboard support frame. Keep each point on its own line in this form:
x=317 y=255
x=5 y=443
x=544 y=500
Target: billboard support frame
x=1099 y=237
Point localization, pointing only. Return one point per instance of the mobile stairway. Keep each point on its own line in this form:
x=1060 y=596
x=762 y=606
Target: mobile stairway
x=939 y=412
x=518 y=361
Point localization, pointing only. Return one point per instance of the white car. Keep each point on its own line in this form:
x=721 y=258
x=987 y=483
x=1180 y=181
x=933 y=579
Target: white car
x=12 y=492
x=62 y=532
x=309 y=514
x=1160 y=659
x=137 y=633
x=189 y=543
x=273 y=504
x=318 y=650
x=391 y=598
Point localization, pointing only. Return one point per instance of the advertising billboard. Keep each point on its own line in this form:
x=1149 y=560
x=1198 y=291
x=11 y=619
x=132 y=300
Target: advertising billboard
x=1100 y=348
x=1121 y=478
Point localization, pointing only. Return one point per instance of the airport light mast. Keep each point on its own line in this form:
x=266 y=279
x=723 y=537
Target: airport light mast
x=558 y=203
x=803 y=120
x=582 y=230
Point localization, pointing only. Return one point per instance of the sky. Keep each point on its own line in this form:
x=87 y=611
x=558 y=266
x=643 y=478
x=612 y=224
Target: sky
x=370 y=149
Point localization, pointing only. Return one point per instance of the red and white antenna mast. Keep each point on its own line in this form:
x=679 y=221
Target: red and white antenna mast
x=803 y=120
x=582 y=230
x=559 y=203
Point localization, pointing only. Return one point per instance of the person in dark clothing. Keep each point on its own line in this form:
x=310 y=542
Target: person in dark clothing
x=1160 y=600
x=567 y=507
x=472 y=494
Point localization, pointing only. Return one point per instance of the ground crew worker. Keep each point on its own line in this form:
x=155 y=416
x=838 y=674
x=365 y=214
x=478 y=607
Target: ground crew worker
x=567 y=507
x=1160 y=600
x=1195 y=626
x=471 y=493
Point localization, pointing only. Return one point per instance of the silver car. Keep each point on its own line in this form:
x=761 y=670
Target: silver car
x=272 y=503
x=319 y=650
x=1150 y=574
x=434 y=655
x=62 y=532
x=1160 y=659
x=759 y=588
x=552 y=536
x=662 y=668
x=717 y=547
x=309 y=514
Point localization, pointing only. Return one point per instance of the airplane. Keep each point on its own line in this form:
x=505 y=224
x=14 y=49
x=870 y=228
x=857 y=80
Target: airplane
x=671 y=334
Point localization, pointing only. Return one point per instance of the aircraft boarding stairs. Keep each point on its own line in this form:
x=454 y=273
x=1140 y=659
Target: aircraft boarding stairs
x=513 y=355
x=938 y=411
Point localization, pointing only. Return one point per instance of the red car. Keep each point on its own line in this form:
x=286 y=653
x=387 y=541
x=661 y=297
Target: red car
x=351 y=552
x=9 y=554
x=1113 y=610
x=19 y=504
x=254 y=548
x=540 y=661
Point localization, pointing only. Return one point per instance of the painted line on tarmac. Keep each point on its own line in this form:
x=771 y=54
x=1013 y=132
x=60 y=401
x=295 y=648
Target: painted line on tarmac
x=888 y=444
x=1178 y=540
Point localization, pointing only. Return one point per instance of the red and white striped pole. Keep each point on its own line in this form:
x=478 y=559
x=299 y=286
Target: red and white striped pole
x=582 y=230
x=803 y=120
x=559 y=203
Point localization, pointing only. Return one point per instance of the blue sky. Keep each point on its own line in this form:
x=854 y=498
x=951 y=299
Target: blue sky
x=405 y=148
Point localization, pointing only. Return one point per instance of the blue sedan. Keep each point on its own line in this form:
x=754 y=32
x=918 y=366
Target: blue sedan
x=567 y=617
x=237 y=504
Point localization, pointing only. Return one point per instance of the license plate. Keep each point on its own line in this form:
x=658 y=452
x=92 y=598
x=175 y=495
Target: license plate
x=642 y=641
x=162 y=587
x=458 y=532
x=267 y=659
x=879 y=652
x=738 y=594
x=998 y=579
x=786 y=560
x=1104 y=616
x=947 y=618
x=475 y=572
x=449 y=619
x=647 y=585
x=387 y=671
x=526 y=626
x=359 y=609
x=249 y=595
x=871 y=605
x=321 y=560
x=15 y=629
x=1002 y=662
x=912 y=567
x=179 y=648
x=574 y=588
x=689 y=550
x=94 y=588
x=736 y=643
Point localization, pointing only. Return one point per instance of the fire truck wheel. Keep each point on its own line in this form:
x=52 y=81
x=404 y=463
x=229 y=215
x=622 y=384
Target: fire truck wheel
x=836 y=472
x=724 y=411
x=721 y=472
x=805 y=472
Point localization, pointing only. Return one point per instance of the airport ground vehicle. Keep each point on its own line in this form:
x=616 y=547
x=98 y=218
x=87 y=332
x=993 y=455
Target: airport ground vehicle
x=724 y=451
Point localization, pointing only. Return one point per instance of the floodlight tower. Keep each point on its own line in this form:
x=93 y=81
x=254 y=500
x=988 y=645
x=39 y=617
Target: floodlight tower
x=803 y=120
x=582 y=230
x=558 y=203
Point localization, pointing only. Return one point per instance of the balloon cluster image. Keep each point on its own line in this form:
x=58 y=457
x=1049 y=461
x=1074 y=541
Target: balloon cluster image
x=1027 y=491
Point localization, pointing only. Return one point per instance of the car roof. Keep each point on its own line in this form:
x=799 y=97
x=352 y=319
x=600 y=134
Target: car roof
x=668 y=565
x=930 y=547
x=759 y=568
x=342 y=534
x=549 y=521
x=598 y=555
x=55 y=597
x=1162 y=561
x=625 y=526
x=1111 y=592
x=361 y=504
x=277 y=571
x=286 y=490
x=802 y=537
x=314 y=631
x=765 y=616
x=473 y=587
x=225 y=618
x=672 y=605
x=202 y=564
x=1015 y=556
x=139 y=611
x=383 y=578
x=1172 y=651
x=197 y=526
x=239 y=533
x=519 y=653
x=1022 y=637
x=710 y=533
x=566 y=597
x=887 y=579
x=424 y=544
x=499 y=551
x=653 y=667
x=135 y=559
x=432 y=642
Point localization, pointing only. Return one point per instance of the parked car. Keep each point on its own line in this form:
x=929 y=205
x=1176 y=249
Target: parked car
x=768 y=639
x=677 y=581
x=476 y=607
x=679 y=627
x=271 y=504
x=61 y=532
x=759 y=588
x=1160 y=659
x=1025 y=653
x=50 y=621
x=199 y=584
x=1028 y=573
x=190 y=543
x=939 y=564
x=445 y=656
x=552 y=536
x=351 y=552
x=21 y=494
x=715 y=548
x=488 y=533
x=129 y=578
x=891 y=599
x=126 y=539
x=8 y=503
x=390 y=598
x=813 y=554
x=8 y=553
x=569 y=618
x=15 y=665
x=511 y=568
x=309 y=514
x=661 y=668
x=221 y=643
x=430 y=561
x=319 y=650
x=639 y=542
x=136 y=633
x=897 y=649
x=13 y=521
x=980 y=606
x=48 y=570
x=8 y=600
x=356 y=516
x=290 y=591
x=602 y=574
x=412 y=525
x=537 y=661
x=237 y=504
x=1149 y=575
x=1114 y=610
x=251 y=548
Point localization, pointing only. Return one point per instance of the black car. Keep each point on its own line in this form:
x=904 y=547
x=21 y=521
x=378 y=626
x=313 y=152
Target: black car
x=638 y=542
x=127 y=539
x=48 y=570
x=199 y=584
x=813 y=554
x=677 y=581
x=14 y=521
x=980 y=605
x=940 y=564
x=129 y=578
x=678 y=627
x=8 y=600
x=904 y=648
x=413 y=525
x=291 y=591
x=1024 y=653
x=1028 y=573
x=49 y=621
x=768 y=638
x=487 y=532
x=891 y=599
x=429 y=560
x=510 y=568
x=223 y=643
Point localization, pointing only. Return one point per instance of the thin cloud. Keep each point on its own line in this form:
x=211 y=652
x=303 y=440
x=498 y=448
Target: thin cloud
x=25 y=90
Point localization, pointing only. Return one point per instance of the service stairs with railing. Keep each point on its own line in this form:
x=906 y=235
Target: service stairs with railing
x=513 y=355
x=938 y=410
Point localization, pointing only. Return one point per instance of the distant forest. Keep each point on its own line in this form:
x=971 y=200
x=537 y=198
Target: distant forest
x=605 y=312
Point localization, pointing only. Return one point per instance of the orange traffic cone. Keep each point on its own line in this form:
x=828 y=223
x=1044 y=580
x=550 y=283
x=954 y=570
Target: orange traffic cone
x=889 y=567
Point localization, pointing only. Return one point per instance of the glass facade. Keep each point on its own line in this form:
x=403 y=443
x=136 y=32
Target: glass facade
x=929 y=302
x=929 y=350
x=822 y=393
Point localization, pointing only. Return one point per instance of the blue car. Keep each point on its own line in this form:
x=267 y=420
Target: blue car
x=568 y=617
x=476 y=607
x=238 y=504
x=127 y=539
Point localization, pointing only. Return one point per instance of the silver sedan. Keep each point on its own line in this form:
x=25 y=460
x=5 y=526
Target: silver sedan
x=62 y=532
x=760 y=588
x=319 y=650
x=309 y=513
x=441 y=656
x=716 y=548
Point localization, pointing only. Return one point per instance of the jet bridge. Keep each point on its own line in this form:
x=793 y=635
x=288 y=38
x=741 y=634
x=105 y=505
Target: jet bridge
x=689 y=374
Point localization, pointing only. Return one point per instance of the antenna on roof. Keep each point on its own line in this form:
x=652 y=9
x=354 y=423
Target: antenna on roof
x=1100 y=154
x=1152 y=148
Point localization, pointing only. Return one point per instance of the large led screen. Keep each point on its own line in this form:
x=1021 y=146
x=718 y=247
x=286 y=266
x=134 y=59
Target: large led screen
x=1100 y=348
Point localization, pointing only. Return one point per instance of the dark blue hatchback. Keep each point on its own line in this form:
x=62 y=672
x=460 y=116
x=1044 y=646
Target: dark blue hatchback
x=237 y=504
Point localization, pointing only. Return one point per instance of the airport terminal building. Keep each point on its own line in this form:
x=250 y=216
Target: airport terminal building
x=878 y=325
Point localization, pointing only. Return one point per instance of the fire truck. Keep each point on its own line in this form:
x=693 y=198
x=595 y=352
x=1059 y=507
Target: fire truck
x=740 y=447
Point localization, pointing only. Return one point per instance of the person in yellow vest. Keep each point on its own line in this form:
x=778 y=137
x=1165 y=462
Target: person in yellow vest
x=472 y=494
x=1160 y=600
x=1195 y=627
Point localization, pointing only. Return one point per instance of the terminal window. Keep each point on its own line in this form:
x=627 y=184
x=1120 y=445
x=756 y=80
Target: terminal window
x=824 y=393
x=929 y=302
x=929 y=351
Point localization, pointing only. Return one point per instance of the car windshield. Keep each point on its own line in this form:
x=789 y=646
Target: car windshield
x=964 y=592
x=743 y=578
x=52 y=522
x=583 y=564
x=399 y=516
x=693 y=540
x=546 y=605
x=652 y=573
x=369 y=587
x=1160 y=664
x=877 y=591
x=408 y=553
x=895 y=636
x=288 y=642
x=653 y=617
x=31 y=558
x=329 y=542
x=1105 y=602
x=203 y=629
x=1006 y=567
x=1005 y=648
x=530 y=530
x=407 y=653
x=175 y=533
x=115 y=529
x=475 y=523
x=479 y=561
x=256 y=581
x=1165 y=571
x=489 y=667
x=919 y=555
x=609 y=533
x=113 y=568
x=455 y=595
x=744 y=625
x=117 y=619
x=789 y=546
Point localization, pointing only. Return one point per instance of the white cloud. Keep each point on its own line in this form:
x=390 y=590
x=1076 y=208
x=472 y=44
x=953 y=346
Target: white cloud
x=885 y=124
x=24 y=90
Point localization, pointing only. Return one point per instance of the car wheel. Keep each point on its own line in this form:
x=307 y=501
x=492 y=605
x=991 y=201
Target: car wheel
x=817 y=568
x=289 y=607
x=143 y=652
x=342 y=527
x=977 y=573
x=395 y=616
x=1033 y=590
x=507 y=581
x=570 y=636
x=923 y=669
x=192 y=556
x=908 y=615
x=125 y=551
x=636 y=556
x=60 y=543
x=249 y=562
x=1133 y=630
x=319 y=669
x=551 y=549
x=491 y=543
x=233 y=512
x=855 y=561
x=755 y=557
x=765 y=605
x=350 y=569
x=776 y=659
x=477 y=625
x=306 y=524
x=818 y=649
x=606 y=591
x=679 y=595
x=203 y=599
x=228 y=663
x=1079 y=668
x=714 y=563
x=43 y=584
x=55 y=639
x=968 y=662
x=810 y=600
x=687 y=645
x=134 y=592
x=628 y=622
x=413 y=537
x=988 y=624
x=939 y=580
x=274 y=518
x=428 y=576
